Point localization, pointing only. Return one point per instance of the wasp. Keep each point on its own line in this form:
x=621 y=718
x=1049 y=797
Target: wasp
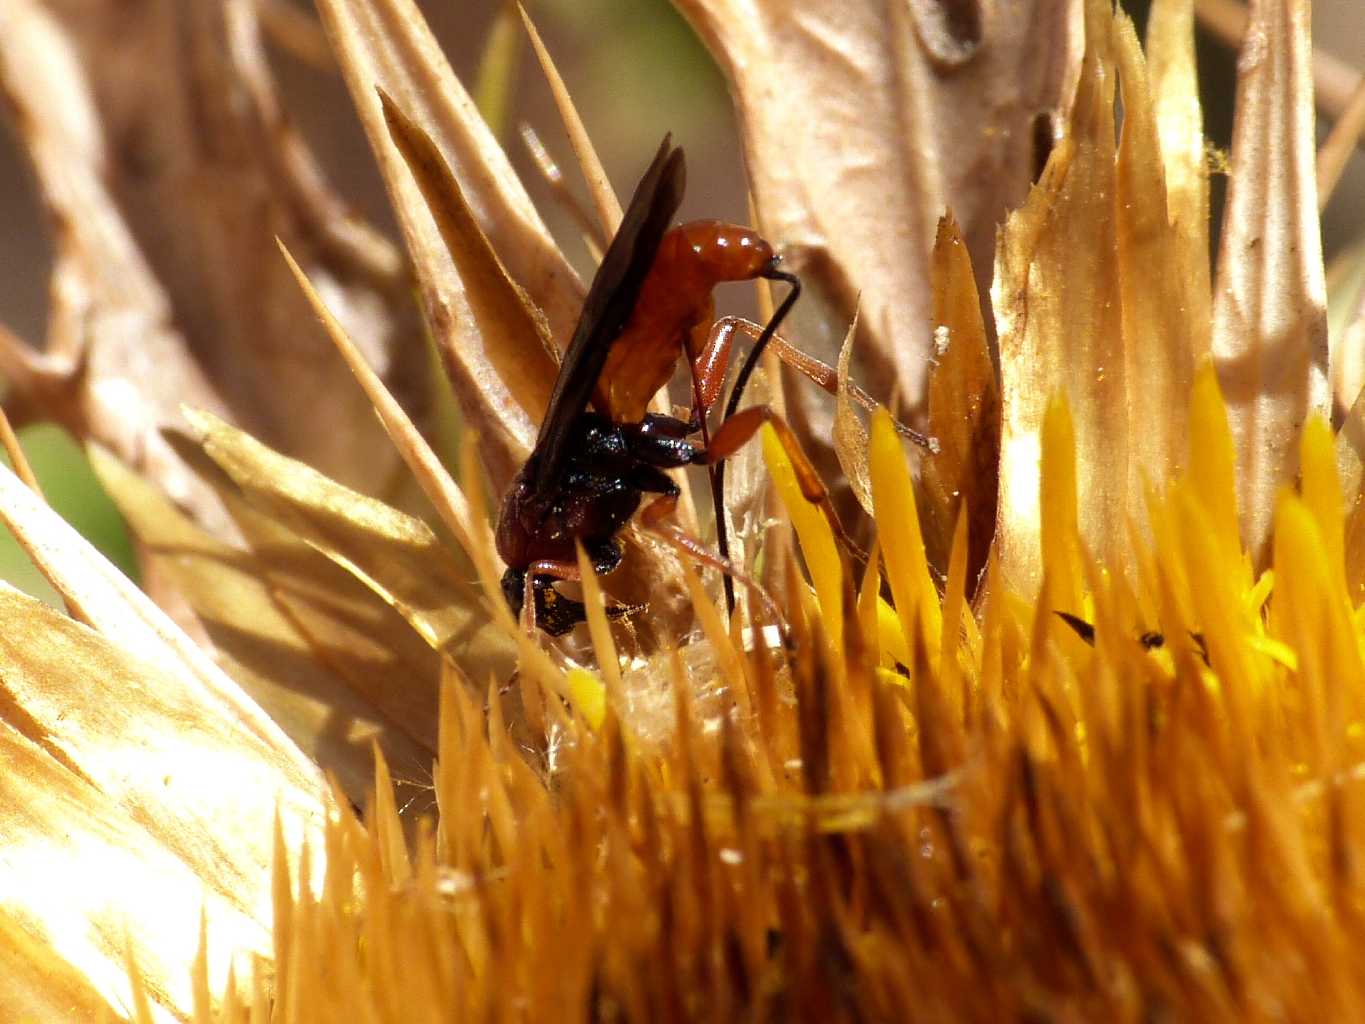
x=600 y=450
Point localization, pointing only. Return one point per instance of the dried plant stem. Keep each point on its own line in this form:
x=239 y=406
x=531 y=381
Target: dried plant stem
x=1344 y=138
x=1334 y=81
x=297 y=31
x=594 y=236
x=16 y=455
x=603 y=197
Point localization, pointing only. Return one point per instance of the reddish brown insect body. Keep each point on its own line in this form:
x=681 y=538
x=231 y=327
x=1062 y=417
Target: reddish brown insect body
x=648 y=305
x=676 y=311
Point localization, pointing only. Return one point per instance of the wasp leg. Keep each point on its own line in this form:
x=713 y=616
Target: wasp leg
x=711 y=360
x=819 y=373
x=653 y=481
x=740 y=427
x=542 y=605
x=514 y=588
x=555 y=613
x=657 y=425
x=661 y=443
x=605 y=558
x=657 y=518
x=551 y=610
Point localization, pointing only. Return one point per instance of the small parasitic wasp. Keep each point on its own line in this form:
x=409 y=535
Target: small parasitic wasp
x=649 y=305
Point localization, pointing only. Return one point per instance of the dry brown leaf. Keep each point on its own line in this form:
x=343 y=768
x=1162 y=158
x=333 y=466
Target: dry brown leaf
x=863 y=121
x=599 y=186
x=157 y=747
x=1057 y=306
x=394 y=554
x=1163 y=280
x=498 y=356
x=143 y=894
x=964 y=410
x=167 y=167
x=386 y=44
x=1334 y=80
x=106 y=301
x=107 y=600
x=850 y=436
x=1345 y=275
x=352 y=629
x=1340 y=146
x=259 y=641
x=1269 y=320
x=1180 y=127
x=39 y=985
x=429 y=474
x=204 y=699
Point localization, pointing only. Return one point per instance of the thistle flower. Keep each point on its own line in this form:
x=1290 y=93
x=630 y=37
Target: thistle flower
x=1080 y=738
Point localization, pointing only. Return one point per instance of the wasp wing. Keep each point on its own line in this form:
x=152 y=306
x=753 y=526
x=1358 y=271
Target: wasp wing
x=609 y=304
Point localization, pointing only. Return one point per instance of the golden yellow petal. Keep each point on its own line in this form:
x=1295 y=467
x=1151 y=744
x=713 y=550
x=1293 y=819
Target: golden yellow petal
x=588 y=694
x=728 y=665
x=598 y=627
x=818 y=546
x=1311 y=615
x=1057 y=307
x=257 y=640
x=902 y=544
x=386 y=44
x=394 y=554
x=964 y=409
x=1320 y=487
x=1269 y=326
x=863 y=121
x=1213 y=460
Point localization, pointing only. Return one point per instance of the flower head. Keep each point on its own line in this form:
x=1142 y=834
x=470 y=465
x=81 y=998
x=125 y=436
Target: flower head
x=1078 y=736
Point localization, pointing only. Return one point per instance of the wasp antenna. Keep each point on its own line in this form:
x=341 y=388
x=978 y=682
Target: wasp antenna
x=732 y=406
x=770 y=329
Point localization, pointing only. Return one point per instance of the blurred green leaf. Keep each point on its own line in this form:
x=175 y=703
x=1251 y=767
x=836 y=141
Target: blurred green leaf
x=75 y=494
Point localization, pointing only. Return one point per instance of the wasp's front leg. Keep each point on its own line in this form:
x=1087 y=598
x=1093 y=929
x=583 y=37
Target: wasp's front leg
x=659 y=442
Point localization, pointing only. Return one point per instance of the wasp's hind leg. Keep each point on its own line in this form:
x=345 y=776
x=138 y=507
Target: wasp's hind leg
x=605 y=558
x=553 y=612
x=544 y=606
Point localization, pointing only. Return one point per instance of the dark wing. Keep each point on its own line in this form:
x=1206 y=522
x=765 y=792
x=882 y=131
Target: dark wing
x=609 y=304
